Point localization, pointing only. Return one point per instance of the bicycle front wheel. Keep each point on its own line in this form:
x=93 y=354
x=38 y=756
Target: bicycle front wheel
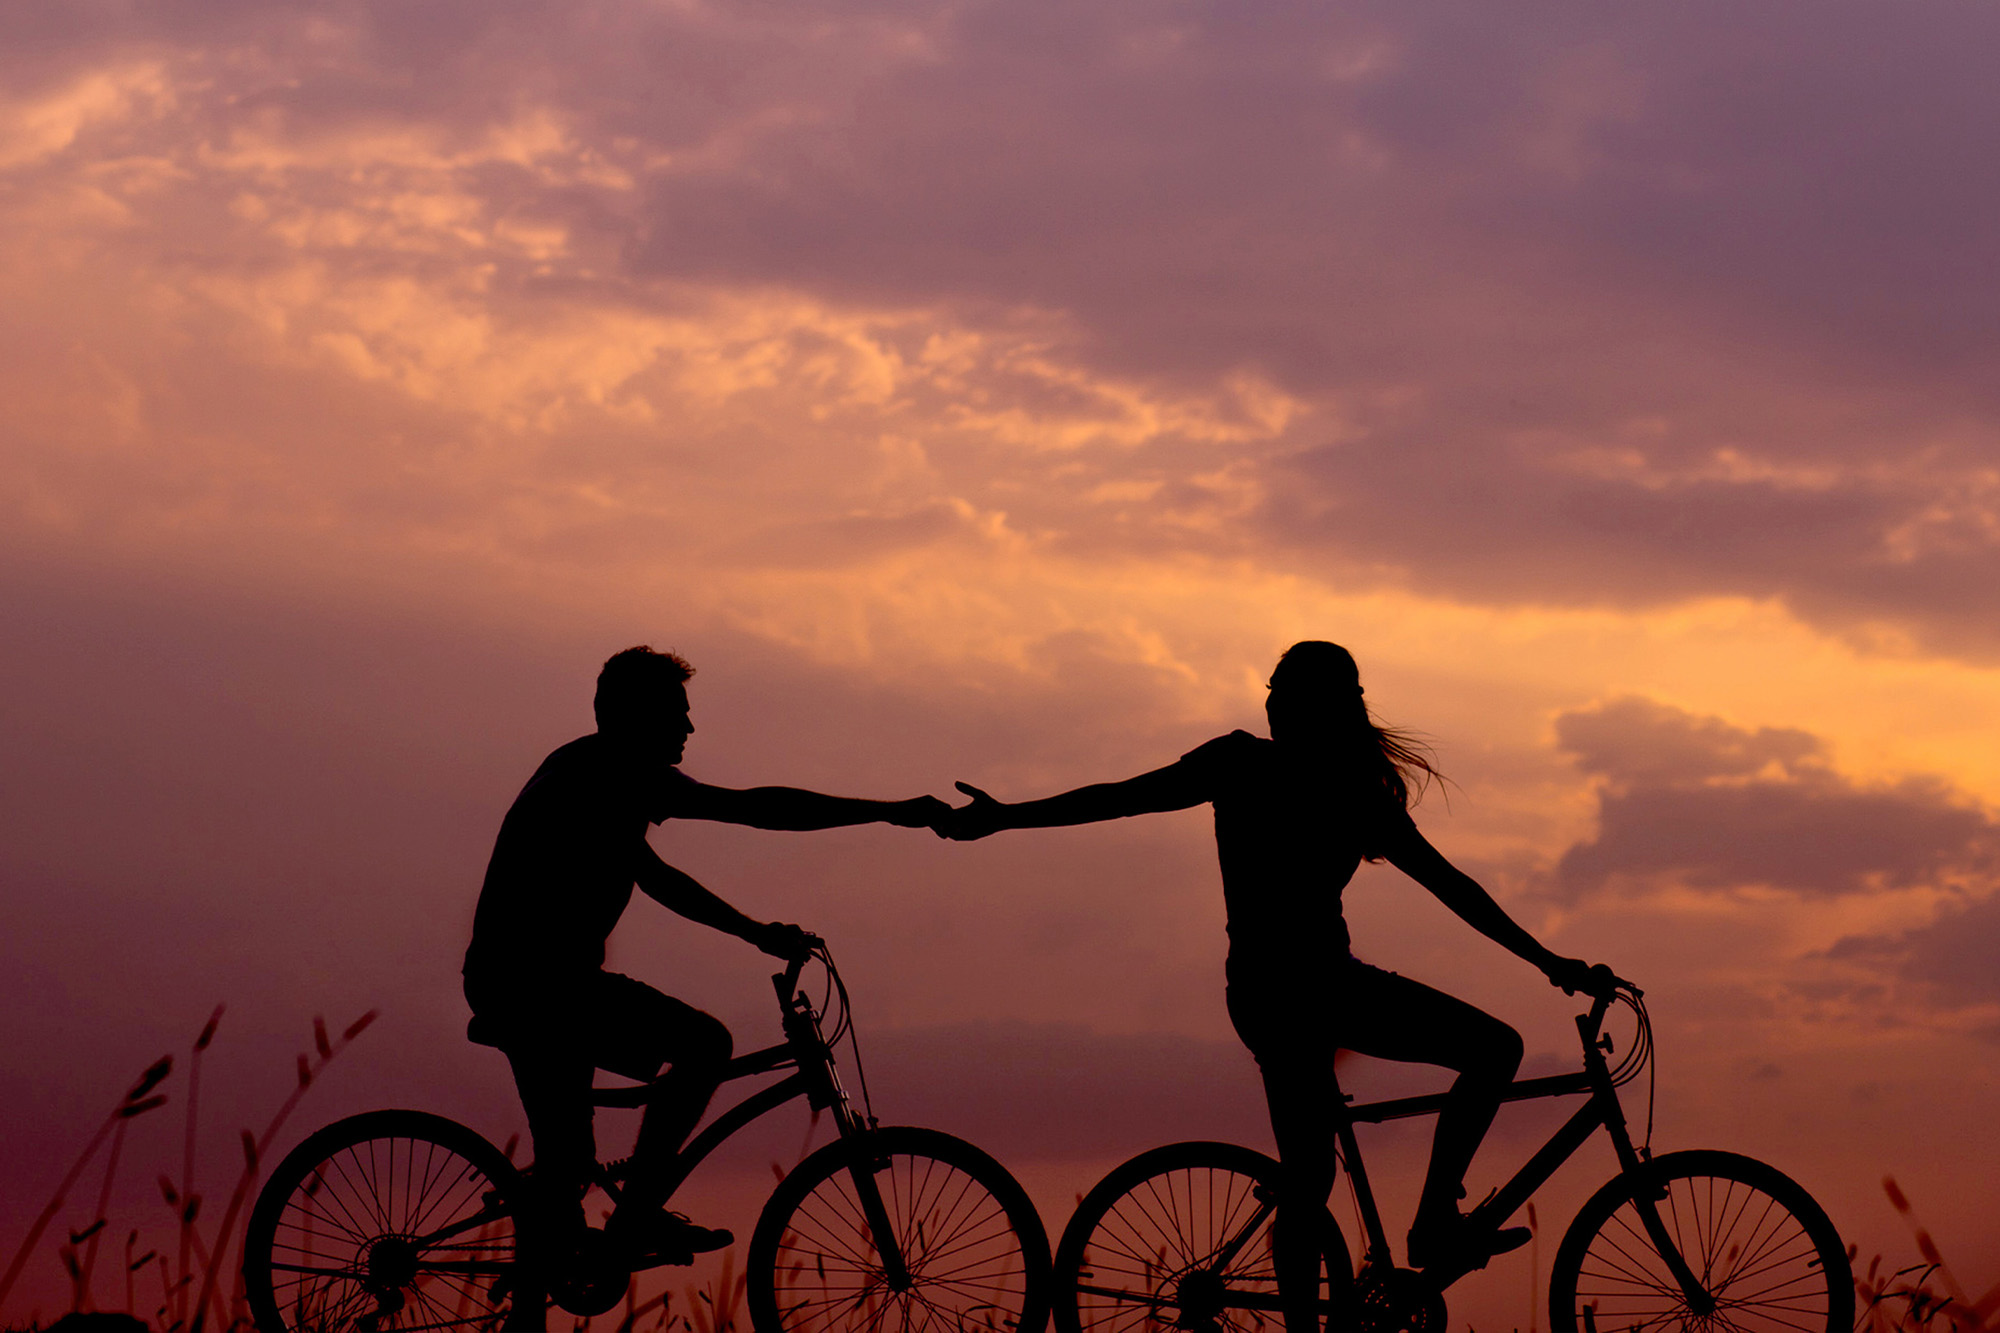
x=970 y=1249
x=387 y=1220
x=1761 y=1252
x=1180 y=1238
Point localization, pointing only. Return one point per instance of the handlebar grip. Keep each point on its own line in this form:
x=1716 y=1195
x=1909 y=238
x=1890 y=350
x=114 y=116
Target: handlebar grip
x=1605 y=982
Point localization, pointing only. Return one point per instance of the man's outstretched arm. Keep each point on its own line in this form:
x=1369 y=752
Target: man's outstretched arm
x=799 y=810
x=680 y=892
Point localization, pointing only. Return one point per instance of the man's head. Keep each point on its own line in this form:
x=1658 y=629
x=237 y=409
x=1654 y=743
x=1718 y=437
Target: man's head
x=642 y=698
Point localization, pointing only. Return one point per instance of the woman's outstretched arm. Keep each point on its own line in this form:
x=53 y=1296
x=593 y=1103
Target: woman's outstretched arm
x=1171 y=788
x=1410 y=852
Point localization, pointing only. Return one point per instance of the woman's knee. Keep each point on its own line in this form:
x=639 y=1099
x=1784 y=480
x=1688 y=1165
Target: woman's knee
x=1498 y=1053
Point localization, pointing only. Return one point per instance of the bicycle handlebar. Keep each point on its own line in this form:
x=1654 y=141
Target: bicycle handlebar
x=786 y=982
x=1603 y=986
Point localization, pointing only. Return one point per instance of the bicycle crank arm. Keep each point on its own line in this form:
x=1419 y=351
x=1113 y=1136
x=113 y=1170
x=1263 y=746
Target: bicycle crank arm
x=1233 y=1301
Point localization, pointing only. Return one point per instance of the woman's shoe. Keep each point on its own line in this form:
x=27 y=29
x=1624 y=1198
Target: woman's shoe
x=661 y=1237
x=1450 y=1240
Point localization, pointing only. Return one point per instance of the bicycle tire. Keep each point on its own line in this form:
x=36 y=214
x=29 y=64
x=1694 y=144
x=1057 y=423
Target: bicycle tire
x=975 y=1248
x=1139 y=1253
x=386 y=1220
x=1757 y=1242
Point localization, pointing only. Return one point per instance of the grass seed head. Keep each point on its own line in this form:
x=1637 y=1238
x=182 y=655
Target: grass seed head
x=149 y=1080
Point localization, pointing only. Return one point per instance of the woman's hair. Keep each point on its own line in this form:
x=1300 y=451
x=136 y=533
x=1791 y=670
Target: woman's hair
x=1322 y=679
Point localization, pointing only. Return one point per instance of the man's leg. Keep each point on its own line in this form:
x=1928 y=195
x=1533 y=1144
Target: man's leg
x=554 y=1083
x=643 y=1030
x=1393 y=1018
x=699 y=1055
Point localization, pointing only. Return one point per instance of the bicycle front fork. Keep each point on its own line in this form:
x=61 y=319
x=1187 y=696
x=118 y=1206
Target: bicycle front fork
x=863 y=1166
x=1645 y=1200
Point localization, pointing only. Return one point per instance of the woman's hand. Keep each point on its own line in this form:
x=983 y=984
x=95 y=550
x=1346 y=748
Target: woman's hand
x=970 y=822
x=1572 y=974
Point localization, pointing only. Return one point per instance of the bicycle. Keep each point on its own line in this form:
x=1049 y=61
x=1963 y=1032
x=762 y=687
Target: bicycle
x=1179 y=1237
x=407 y=1220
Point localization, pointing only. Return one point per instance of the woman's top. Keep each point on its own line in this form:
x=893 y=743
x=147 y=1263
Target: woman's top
x=1290 y=830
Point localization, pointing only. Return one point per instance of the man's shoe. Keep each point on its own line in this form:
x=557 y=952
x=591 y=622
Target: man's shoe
x=1450 y=1241
x=662 y=1238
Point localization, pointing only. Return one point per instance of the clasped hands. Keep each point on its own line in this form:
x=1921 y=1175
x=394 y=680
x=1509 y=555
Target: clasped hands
x=977 y=818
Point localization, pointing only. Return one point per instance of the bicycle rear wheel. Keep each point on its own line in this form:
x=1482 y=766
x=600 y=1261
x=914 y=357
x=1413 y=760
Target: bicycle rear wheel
x=971 y=1243
x=1180 y=1238
x=1763 y=1252
x=386 y=1220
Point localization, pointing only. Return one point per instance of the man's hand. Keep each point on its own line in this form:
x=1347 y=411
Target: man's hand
x=783 y=940
x=970 y=822
x=918 y=812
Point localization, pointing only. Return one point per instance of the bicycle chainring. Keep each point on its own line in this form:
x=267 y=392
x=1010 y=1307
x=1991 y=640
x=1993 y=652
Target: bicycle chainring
x=1398 y=1300
x=593 y=1281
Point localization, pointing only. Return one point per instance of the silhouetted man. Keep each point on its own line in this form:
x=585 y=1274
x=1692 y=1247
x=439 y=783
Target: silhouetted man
x=569 y=852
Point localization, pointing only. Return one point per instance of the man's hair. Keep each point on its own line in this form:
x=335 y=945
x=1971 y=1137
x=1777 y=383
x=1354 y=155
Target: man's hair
x=633 y=679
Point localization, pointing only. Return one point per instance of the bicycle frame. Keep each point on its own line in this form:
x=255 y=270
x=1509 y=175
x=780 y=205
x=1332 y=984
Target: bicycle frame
x=806 y=1051
x=1602 y=1111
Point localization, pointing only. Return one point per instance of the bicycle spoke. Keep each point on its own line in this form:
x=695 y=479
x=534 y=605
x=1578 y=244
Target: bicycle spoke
x=958 y=1241
x=1187 y=1239
x=1764 y=1257
x=392 y=1225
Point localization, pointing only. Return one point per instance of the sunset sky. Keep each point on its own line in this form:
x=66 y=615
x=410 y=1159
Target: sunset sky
x=989 y=390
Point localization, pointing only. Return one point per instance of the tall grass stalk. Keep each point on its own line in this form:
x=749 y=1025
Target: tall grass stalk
x=84 y=1299
x=193 y=1204
x=253 y=1154
x=1903 y=1303
x=185 y=1303
x=138 y=1100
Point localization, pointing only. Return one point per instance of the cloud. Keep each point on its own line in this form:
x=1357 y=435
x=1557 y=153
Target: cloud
x=1599 y=313
x=1702 y=803
x=1949 y=960
x=1635 y=740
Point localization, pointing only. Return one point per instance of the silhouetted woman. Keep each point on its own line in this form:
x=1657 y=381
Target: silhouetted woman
x=1295 y=816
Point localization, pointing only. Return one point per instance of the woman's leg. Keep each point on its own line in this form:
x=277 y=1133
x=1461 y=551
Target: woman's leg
x=1393 y=1018
x=1284 y=1028
x=1300 y=1095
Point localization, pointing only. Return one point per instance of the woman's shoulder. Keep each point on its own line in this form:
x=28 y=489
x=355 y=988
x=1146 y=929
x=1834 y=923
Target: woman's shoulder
x=1229 y=752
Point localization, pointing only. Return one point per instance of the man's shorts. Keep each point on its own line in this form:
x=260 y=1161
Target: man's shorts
x=616 y=1023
